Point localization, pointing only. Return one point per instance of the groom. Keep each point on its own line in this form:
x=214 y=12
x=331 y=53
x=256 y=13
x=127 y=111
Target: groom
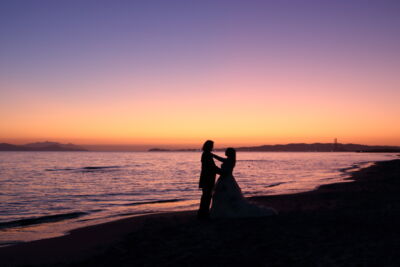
x=207 y=179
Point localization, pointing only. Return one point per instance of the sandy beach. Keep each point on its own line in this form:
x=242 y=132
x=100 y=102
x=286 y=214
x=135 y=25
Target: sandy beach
x=344 y=224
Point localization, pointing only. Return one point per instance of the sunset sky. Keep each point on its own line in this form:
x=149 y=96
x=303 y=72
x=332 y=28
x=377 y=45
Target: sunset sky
x=179 y=72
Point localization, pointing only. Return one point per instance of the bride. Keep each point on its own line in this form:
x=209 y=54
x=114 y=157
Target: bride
x=228 y=200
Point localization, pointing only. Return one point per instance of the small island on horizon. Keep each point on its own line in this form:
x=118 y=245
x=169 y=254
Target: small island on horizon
x=41 y=146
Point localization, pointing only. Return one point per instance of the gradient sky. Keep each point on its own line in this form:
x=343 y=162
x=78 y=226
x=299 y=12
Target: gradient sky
x=179 y=72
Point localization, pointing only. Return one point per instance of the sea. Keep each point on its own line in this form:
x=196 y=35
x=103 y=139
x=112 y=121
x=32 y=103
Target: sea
x=47 y=194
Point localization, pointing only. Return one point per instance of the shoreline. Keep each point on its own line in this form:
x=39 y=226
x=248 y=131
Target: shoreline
x=57 y=218
x=59 y=224
x=87 y=243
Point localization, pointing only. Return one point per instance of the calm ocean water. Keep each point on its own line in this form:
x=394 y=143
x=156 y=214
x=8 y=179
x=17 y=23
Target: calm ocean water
x=45 y=194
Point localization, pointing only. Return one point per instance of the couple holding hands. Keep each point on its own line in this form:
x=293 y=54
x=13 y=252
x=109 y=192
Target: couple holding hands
x=227 y=198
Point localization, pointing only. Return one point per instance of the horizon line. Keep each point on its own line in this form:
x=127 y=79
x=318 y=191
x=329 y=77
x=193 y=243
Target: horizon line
x=191 y=146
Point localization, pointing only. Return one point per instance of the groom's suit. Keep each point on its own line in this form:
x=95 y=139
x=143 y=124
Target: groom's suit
x=207 y=180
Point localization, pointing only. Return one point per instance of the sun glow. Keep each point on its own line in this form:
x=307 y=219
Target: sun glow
x=239 y=77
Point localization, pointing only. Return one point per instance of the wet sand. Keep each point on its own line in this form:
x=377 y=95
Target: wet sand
x=343 y=224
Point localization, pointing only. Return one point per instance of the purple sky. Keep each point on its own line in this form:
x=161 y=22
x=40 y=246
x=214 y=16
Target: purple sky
x=72 y=52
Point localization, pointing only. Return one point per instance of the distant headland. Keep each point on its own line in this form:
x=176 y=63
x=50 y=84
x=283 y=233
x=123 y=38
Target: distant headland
x=41 y=146
x=302 y=147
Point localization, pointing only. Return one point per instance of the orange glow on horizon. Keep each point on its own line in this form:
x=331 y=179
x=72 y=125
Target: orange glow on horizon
x=234 y=107
x=230 y=115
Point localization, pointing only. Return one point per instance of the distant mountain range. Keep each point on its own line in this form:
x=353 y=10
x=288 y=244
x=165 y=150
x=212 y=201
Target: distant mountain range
x=41 y=146
x=301 y=147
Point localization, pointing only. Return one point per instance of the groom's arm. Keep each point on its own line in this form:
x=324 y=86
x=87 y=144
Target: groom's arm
x=218 y=157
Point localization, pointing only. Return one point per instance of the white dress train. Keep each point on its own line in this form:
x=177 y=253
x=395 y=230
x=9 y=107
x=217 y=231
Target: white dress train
x=228 y=200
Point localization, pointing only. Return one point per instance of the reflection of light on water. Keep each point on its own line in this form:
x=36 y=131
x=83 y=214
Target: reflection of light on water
x=110 y=185
x=50 y=230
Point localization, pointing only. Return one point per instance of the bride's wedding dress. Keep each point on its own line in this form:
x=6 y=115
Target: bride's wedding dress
x=228 y=200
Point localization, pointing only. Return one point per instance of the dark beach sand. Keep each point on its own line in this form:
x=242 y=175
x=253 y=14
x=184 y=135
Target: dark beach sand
x=344 y=224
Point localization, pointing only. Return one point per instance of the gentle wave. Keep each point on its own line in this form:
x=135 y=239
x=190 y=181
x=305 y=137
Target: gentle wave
x=86 y=169
x=153 y=202
x=40 y=220
x=357 y=166
x=275 y=184
x=5 y=244
x=106 y=195
x=65 y=169
x=348 y=169
x=129 y=214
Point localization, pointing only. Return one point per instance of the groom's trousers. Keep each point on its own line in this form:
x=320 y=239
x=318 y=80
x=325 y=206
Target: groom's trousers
x=205 y=201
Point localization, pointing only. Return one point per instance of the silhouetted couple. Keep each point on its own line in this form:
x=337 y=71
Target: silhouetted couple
x=227 y=198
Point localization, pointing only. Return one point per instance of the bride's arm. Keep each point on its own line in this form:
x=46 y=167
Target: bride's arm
x=218 y=157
